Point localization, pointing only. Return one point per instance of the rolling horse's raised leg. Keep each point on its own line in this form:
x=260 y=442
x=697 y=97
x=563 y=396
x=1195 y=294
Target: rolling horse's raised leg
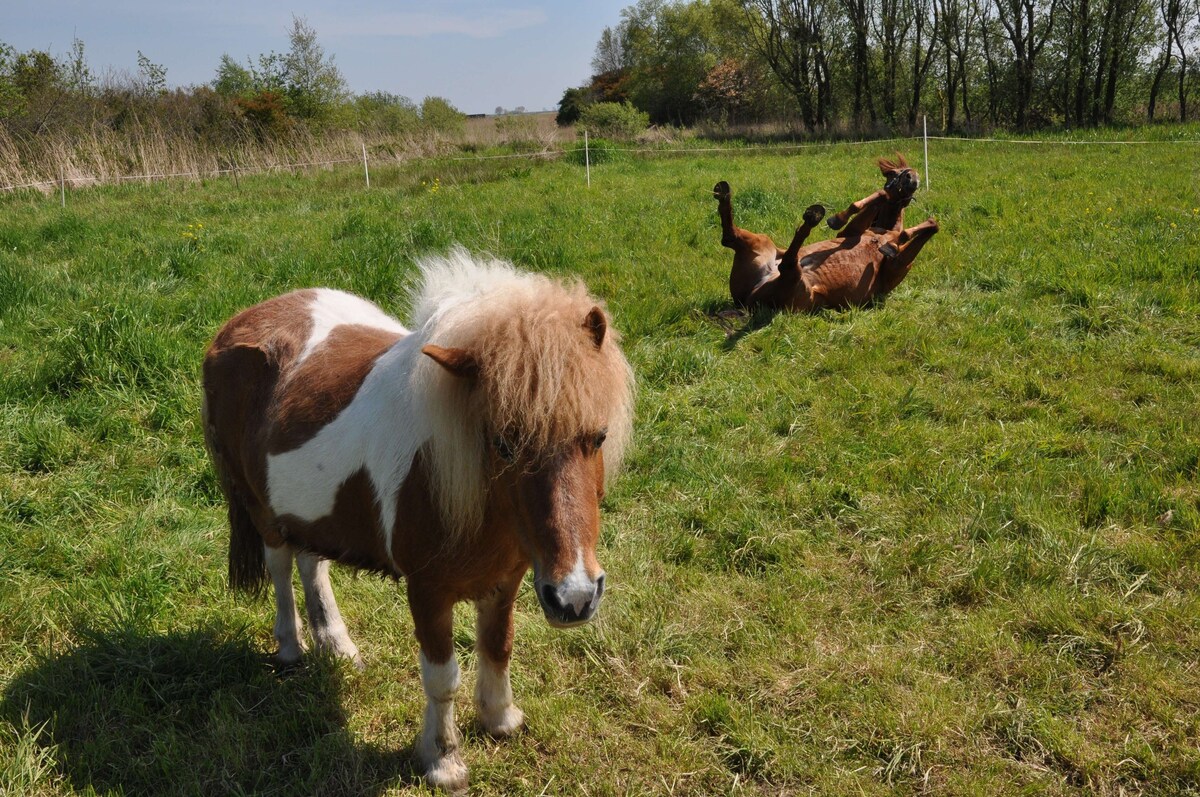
x=754 y=255
x=437 y=747
x=787 y=288
x=324 y=619
x=863 y=211
x=900 y=254
x=732 y=236
x=493 y=644
x=812 y=217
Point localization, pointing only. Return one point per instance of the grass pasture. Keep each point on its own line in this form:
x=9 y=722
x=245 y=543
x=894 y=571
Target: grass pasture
x=946 y=545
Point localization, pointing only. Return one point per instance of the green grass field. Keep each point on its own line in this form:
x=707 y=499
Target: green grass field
x=946 y=545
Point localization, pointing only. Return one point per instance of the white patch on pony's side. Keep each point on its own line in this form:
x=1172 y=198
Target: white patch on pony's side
x=380 y=430
x=331 y=308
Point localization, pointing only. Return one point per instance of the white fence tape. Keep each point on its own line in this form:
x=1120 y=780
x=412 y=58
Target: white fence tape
x=87 y=180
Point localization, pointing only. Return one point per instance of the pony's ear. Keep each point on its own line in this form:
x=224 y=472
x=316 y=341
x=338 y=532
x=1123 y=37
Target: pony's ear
x=596 y=325
x=457 y=361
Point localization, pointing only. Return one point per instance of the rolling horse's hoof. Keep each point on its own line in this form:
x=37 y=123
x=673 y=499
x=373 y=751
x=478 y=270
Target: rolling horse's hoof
x=813 y=215
x=836 y=222
x=721 y=190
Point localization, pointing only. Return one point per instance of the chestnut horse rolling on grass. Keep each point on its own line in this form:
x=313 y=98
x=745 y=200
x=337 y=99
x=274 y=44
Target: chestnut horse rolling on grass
x=457 y=456
x=872 y=255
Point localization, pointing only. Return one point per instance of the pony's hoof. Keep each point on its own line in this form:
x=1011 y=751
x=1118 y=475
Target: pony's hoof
x=835 y=222
x=813 y=215
x=503 y=723
x=289 y=656
x=721 y=190
x=889 y=250
x=447 y=773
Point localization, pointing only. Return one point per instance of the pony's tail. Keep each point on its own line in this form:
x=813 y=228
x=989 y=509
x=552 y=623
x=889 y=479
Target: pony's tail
x=247 y=568
x=247 y=564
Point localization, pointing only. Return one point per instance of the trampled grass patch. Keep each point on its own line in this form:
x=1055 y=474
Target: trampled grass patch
x=948 y=544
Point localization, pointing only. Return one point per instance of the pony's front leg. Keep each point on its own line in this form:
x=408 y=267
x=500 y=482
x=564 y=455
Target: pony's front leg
x=437 y=747
x=493 y=644
x=863 y=211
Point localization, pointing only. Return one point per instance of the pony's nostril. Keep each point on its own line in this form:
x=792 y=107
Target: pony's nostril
x=599 y=588
x=550 y=598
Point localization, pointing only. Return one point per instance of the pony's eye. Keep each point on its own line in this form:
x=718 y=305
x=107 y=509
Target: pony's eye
x=600 y=438
x=503 y=448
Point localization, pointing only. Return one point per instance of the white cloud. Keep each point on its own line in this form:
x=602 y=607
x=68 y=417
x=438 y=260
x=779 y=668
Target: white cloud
x=420 y=24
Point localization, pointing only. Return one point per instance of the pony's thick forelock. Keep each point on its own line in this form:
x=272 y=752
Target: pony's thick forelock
x=542 y=381
x=886 y=165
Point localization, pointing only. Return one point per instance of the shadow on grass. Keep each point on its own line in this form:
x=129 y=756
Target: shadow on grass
x=197 y=713
x=735 y=321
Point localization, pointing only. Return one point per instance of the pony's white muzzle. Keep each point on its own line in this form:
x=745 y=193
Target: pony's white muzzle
x=571 y=602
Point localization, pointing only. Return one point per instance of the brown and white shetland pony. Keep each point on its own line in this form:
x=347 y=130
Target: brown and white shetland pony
x=871 y=257
x=456 y=455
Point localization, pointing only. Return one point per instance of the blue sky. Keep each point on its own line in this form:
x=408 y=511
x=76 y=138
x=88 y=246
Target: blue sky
x=479 y=55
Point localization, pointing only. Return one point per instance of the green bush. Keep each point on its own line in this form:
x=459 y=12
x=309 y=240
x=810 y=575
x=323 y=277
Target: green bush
x=439 y=115
x=598 y=151
x=617 y=120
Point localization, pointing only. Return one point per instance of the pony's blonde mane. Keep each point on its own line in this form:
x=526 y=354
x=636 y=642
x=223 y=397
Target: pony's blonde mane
x=542 y=379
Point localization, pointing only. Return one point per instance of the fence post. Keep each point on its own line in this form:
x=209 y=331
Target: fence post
x=925 y=135
x=587 y=158
x=62 y=185
x=366 y=173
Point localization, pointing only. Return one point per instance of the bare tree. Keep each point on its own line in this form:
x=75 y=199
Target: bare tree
x=957 y=19
x=893 y=23
x=611 y=53
x=790 y=36
x=924 y=47
x=859 y=14
x=1028 y=24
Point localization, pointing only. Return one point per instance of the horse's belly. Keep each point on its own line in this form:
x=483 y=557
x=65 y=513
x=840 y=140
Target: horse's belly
x=847 y=276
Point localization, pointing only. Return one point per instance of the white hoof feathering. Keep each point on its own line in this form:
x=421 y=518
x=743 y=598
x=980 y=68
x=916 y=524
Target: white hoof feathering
x=438 y=745
x=494 y=700
x=446 y=772
x=504 y=722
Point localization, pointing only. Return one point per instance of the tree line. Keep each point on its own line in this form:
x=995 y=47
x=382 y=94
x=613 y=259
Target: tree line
x=269 y=98
x=967 y=65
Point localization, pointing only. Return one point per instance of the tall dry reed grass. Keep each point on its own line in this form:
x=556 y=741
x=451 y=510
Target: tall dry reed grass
x=148 y=151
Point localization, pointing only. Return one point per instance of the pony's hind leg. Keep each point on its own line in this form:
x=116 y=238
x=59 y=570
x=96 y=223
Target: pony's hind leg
x=493 y=643
x=287 y=618
x=754 y=255
x=900 y=254
x=729 y=233
x=324 y=618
